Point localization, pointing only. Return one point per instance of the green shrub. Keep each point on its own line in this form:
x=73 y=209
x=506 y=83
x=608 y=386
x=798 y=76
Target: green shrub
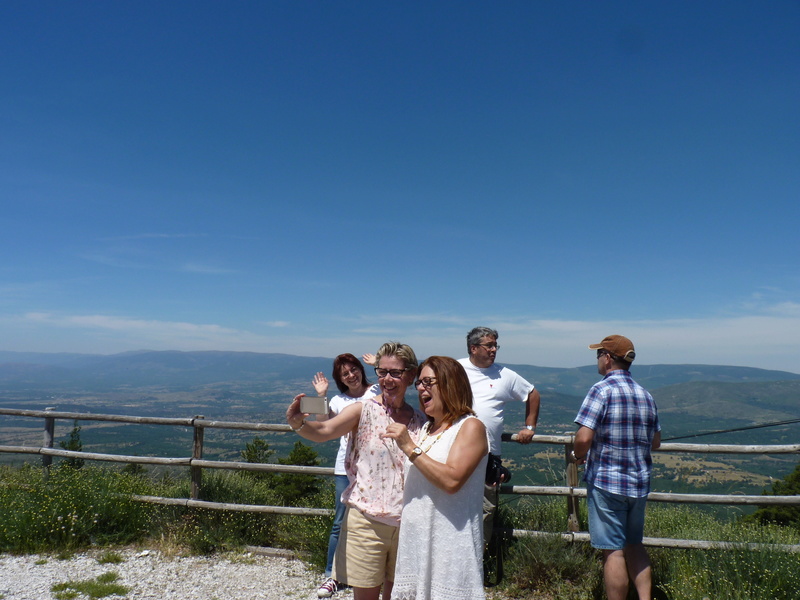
x=74 y=444
x=204 y=531
x=732 y=574
x=297 y=488
x=782 y=515
x=547 y=567
x=75 y=508
x=72 y=508
x=308 y=536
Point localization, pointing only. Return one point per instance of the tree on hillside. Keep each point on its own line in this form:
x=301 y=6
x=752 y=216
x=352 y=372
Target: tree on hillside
x=74 y=444
x=294 y=487
x=291 y=487
x=783 y=515
x=134 y=470
x=258 y=451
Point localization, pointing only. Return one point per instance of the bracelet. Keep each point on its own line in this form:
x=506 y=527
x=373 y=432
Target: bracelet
x=303 y=424
x=574 y=457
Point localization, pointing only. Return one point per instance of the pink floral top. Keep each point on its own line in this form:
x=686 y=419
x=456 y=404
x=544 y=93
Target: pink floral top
x=376 y=466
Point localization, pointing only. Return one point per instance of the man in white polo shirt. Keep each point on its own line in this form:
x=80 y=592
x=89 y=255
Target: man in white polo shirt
x=492 y=386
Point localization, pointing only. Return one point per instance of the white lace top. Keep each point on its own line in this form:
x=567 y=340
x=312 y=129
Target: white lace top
x=440 y=554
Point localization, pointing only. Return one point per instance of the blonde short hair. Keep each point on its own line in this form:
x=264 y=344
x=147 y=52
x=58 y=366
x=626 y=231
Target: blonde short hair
x=402 y=351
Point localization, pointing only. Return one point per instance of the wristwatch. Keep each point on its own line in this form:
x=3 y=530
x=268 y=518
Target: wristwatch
x=415 y=453
x=529 y=427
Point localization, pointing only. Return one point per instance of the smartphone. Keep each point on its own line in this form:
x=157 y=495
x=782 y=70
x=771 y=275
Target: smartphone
x=314 y=405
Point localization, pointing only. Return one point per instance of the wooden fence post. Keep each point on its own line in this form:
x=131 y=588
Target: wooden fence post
x=572 y=481
x=49 y=435
x=197 y=454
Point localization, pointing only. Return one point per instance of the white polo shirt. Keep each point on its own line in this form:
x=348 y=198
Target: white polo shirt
x=491 y=389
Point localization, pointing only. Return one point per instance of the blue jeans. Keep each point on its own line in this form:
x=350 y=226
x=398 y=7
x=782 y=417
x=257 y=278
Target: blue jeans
x=341 y=484
x=614 y=521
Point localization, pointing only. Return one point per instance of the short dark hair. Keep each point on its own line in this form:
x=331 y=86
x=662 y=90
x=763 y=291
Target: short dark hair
x=347 y=359
x=619 y=361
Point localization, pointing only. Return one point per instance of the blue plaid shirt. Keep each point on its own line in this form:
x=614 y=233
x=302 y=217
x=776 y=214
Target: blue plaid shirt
x=624 y=418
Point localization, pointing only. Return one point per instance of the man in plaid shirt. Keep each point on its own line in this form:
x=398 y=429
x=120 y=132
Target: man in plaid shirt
x=618 y=427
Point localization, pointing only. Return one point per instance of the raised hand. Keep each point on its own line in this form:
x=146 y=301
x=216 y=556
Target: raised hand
x=320 y=384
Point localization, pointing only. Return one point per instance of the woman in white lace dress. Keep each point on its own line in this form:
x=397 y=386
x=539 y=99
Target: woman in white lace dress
x=440 y=554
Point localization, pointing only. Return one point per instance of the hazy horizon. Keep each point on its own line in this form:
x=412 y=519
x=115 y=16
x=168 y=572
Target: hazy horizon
x=590 y=365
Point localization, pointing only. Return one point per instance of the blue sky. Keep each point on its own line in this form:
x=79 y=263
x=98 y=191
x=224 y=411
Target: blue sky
x=319 y=177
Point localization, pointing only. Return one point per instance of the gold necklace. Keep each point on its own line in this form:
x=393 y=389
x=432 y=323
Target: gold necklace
x=436 y=439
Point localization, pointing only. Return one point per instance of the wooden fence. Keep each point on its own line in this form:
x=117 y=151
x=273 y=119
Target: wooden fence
x=572 y=492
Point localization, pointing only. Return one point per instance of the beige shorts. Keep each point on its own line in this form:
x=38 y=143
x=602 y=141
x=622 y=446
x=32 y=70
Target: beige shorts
x=366 y=552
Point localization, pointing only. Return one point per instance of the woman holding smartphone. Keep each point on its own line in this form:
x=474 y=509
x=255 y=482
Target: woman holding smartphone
x=367 y=551
x=351 y=380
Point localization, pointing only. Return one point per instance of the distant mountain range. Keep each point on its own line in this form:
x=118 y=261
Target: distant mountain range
x=739 y=404
x=690 y=397
x=578 y=380
x=198 y=369
x=173 y=369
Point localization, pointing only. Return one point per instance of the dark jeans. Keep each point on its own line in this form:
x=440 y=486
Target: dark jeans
x=341 y=484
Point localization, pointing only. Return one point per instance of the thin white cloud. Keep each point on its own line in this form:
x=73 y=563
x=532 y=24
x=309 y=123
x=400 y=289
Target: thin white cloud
x=409 y=318
x=133 y=333
x=277 y=323
x=768 y=339
x=788 y=309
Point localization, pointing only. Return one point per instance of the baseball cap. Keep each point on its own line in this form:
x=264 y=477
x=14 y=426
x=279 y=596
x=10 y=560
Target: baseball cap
x=618 y=345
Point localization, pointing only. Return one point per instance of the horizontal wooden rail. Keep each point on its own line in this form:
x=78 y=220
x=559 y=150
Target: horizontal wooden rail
x=678 y=447
x=730 y=448
x=245 y=466
x=52 y=414
x=252 y=508
x=134 y=420
x=543 y=490
x=583 y=536
x=277 y=427
x=723 y=499
x=156 y=460
x=579 y=492
x=244 y=426
x=569 y=537
x=120 y=458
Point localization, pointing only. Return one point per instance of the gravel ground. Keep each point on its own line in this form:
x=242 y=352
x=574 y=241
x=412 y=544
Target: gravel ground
x=149 y=574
